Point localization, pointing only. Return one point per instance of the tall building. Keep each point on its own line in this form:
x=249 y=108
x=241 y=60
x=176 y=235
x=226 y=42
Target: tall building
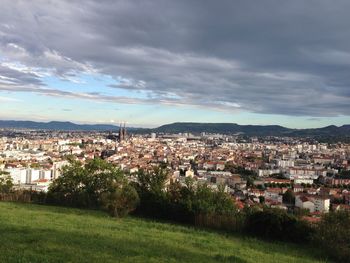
x=122 y=132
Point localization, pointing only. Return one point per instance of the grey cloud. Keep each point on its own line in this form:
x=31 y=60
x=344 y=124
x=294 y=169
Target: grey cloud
x=314 y=119
x=274 y=57
x=18 y=80
x=10 y=76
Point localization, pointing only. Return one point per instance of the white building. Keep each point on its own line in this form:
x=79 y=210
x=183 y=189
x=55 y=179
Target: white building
x=285 y=163
x=303 y=202
x=268 y=172
x=189 y=173
x=303 y=180
x=322 y=204
x=314 y=203
x=18 y=175
x=28 y=175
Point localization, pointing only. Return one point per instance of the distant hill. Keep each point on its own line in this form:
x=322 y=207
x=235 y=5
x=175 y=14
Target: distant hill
x=224 y=128
x=331 y=130
x=190 y=127
x=56 y=125
x=252 y=130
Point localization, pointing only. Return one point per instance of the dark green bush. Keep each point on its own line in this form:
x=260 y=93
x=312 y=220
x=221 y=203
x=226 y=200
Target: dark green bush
x=276 y=224
x=333 y=235
x=6 y=183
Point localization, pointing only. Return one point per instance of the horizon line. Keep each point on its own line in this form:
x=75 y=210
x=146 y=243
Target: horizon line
x=141 y=126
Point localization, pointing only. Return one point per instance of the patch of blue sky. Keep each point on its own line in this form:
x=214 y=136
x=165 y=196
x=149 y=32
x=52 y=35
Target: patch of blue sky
x=95 y=83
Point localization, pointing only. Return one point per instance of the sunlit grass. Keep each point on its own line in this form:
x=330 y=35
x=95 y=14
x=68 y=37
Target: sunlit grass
x=33 y=233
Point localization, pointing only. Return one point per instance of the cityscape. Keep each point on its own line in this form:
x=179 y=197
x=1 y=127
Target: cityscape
x=174 y=131
x=298 y=174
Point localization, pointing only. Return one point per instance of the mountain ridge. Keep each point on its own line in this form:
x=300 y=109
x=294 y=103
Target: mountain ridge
x=55 y=125
x=186 y=127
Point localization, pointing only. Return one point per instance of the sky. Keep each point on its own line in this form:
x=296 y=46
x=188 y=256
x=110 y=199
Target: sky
x=149 y=63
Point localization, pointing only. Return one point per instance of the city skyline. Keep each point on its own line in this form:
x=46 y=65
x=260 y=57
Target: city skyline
x=161 y=62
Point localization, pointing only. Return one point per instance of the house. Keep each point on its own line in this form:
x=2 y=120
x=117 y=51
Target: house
x=41 y=185
x=273 y=195
x=340 y=181
x=256 y=192
x=303 y=202
x=322 y=203
x=235 y=180
x=303 y=180
x=276 y=181
x=323 y=160
x=297 y=188
x=314 y=203
x=305 y=173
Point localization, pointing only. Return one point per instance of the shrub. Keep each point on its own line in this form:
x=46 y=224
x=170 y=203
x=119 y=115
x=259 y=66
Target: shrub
x=333 y=235
x=277 y=224
x=181 y=202
x=6 y=183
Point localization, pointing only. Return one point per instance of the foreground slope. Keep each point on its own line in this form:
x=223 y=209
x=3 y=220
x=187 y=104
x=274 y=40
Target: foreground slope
x=32 y=233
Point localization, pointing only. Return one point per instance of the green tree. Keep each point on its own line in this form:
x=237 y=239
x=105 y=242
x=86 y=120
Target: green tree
x=224 y=204
x=97 y=184
x=174 y=192
x=6 y=182
x=250 y=181
x=152 y=181
x=203 y=201
x=261 y=199
x=152 y=192
x=289 y=197
x=120 y=200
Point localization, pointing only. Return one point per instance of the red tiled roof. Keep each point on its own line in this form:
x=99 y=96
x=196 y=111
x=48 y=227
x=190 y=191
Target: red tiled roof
x=41 y=181
x=311 y=219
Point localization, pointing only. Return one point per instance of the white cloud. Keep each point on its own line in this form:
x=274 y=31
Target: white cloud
x=8 y=99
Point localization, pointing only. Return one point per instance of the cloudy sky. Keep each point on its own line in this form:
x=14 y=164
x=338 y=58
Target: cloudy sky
x=156 y=62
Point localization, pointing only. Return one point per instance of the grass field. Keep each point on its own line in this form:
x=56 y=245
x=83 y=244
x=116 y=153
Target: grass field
x=33 y=233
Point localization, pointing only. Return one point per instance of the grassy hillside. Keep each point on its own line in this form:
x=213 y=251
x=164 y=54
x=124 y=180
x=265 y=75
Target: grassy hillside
x=32 y=233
